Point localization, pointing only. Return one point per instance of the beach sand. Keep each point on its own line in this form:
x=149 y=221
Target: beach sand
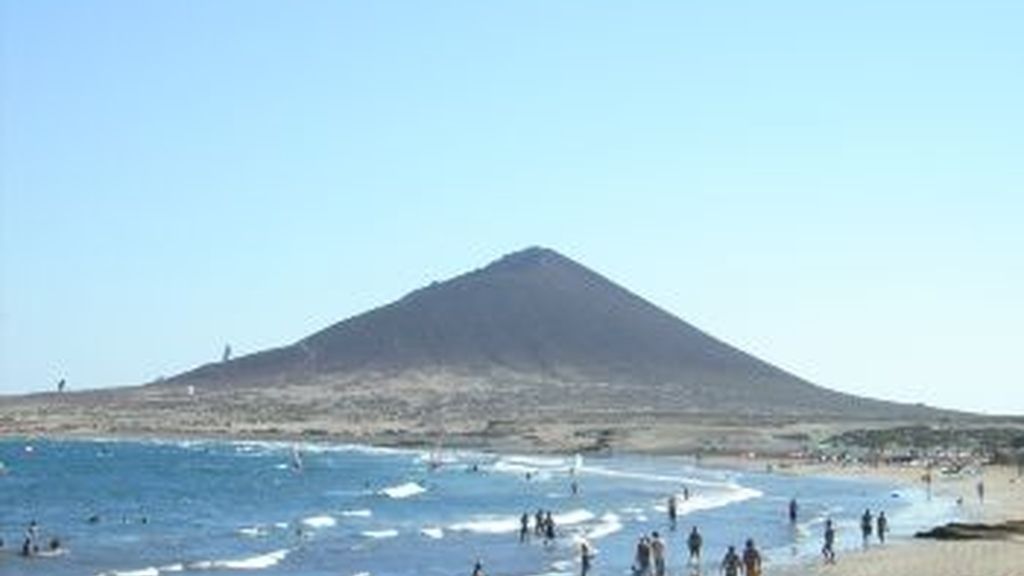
x=1004 y=500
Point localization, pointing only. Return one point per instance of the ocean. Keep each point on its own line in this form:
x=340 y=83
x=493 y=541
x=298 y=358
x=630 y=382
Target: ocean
x=151 y=508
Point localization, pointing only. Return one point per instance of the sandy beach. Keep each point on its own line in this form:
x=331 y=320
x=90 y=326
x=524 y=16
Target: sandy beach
x=905 y=555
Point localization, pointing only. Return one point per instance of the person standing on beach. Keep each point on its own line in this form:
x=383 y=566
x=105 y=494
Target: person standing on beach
x=549 y=529
x=981 y=491
x=792 y=510
x=478 y=568
x=731 y=562
x=672 y=511
x=538 y=523
x=585 y=557
x=751 y=559
x=694 y=543
x=524 y=526
x=31 y=544
x=866 y=522
x=828 y=550
x=658 y=554
x=642 y=562
x=883 y=526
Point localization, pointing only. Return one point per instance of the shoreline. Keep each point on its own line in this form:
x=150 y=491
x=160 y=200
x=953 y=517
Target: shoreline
x=908 y=554
x=903 y=554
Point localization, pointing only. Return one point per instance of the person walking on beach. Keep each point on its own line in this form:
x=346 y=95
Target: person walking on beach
x=792 y=510
x=672 y=511
x=751 y=559
x=524 y=527
x=731 y=563
x=658 y=554
x=585 y=558
x=828 y=550
x=883 y=526
x=694 y=543
x=866 y=522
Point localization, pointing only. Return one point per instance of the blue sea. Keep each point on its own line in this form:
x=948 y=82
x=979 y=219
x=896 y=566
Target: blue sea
x=152 y=508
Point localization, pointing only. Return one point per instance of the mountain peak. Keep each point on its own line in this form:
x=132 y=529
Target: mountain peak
x=529 y=257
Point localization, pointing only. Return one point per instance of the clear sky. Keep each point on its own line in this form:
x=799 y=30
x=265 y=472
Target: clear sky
x=836 y=187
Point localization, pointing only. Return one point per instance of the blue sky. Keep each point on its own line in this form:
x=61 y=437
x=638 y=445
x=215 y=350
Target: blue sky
x=835 y=188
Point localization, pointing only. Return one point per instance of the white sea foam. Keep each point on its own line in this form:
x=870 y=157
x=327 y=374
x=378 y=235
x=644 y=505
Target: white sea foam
x=253 y=531
x=537 y=461
x=572 y=517
x=149 y=571
x=360 y=449
x=434 y=532
x=517 y=469
x=319 y=521
x=170 y=568
x=609 y=524
x=732 y=494
x=632 y=475
x=362 y=513
x=259 y=562
x=379 y=534
x=487 y=524
x=403 y=490
x=539 y=467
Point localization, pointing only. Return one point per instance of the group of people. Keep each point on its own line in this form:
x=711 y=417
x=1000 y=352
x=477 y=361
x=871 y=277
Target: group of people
x=867 y=523
x=30 y=545
x=749 y=563
x=650 y=556
x=543 y=526
x=650 y=552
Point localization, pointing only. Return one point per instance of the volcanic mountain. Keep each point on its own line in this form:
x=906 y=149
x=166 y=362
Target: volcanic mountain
x=538 y=317
x=531 y=346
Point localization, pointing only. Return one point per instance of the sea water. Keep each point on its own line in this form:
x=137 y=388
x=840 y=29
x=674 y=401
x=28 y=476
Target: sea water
x=152 y=508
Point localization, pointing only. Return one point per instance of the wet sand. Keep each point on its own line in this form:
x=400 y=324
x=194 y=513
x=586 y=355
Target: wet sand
x=1002 y=555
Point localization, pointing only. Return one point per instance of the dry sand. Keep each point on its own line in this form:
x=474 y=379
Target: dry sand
x=905 y=556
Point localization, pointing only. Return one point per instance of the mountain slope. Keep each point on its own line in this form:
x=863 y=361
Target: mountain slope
x=536 y=324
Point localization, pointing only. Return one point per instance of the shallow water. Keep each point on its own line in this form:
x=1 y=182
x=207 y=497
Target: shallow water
x=243 y=508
